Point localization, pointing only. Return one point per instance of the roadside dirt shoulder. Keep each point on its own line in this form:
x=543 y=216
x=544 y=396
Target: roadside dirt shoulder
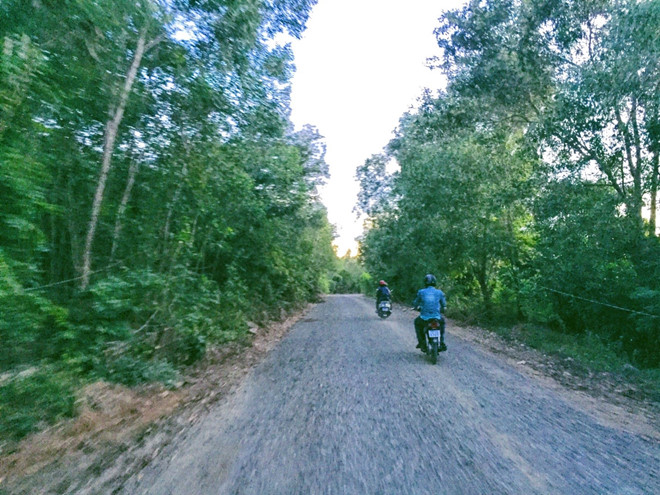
x=119 y=430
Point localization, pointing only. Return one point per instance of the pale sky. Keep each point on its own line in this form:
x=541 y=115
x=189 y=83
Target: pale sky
x=360 y=66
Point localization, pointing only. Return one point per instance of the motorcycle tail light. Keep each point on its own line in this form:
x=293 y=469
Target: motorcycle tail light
x=434 y=324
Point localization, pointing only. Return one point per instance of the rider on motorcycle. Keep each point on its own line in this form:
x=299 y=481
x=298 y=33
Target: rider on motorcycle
x=432 y=303
x=382 y=293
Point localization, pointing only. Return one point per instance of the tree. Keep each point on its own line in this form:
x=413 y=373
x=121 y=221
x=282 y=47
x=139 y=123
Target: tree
x=534 y=165
x=155 y=193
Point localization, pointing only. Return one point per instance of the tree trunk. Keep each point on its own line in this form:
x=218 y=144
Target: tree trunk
x=514 y=259
x=170 y=211
x=637 y=171
x=653 y=221
x=111 y=129
x=132 y=172
x=635 y=202
x=482 y=275
x=486 y=292
x=73 y=234
x=200 y=267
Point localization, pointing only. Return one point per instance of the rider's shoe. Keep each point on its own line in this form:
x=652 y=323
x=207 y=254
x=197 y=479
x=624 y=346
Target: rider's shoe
x=442 y=347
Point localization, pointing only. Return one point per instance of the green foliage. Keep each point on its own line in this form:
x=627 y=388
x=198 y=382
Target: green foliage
x=208 y=215
x=462 y=211
x=348 y=277
x=132 y=370
x=588 y=349
x=601 y=261
x=120 y=332
x=375 y=185
x=33 y=399
x=29 y=324
x=644 y=342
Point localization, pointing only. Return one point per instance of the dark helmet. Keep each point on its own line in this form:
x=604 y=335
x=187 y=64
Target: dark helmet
x=382 y=282
x=430 y=280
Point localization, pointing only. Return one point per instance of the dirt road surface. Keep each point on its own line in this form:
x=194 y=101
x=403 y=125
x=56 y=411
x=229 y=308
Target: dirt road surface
x=346 y=405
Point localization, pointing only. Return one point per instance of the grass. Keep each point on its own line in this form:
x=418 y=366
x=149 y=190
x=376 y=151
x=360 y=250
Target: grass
x=587 y=350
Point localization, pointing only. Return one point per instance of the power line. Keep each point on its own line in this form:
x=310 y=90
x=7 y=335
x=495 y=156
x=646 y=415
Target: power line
x=600 y=303
x=71 y=279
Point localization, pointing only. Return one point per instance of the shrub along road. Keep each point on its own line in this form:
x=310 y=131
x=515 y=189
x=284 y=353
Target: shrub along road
x=345 y=404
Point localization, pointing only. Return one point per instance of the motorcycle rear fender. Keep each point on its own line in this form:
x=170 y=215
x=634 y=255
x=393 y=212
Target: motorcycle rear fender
x=433 y=323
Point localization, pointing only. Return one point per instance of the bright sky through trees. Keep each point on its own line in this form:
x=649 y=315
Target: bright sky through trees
x=360 y=65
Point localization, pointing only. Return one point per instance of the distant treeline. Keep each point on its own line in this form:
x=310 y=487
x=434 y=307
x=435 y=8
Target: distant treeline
x=530 y=185
x=154 y=197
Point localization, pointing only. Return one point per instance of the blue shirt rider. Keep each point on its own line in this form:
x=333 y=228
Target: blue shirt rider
x=382 y=293
x=431 y=303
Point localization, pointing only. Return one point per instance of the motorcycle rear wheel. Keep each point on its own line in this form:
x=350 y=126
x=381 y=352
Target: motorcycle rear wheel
x=433 y=351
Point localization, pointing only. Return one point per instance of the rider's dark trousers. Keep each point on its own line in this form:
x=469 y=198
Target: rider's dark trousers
x=419 y=330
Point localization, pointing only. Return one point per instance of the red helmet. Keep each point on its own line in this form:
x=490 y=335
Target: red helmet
x=382 y=282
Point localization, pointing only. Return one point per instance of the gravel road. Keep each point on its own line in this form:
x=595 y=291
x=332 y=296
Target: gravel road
x=346 y=405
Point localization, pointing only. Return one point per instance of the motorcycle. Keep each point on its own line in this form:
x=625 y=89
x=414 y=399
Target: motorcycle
x=385 y=308
x=432 y=333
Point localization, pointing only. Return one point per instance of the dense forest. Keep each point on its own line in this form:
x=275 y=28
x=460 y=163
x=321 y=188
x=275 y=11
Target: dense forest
x=529 y=185
x=155 y=197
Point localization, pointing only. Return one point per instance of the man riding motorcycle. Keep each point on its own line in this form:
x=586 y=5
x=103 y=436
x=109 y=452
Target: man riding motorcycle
x=382 y=293
x=432 y=303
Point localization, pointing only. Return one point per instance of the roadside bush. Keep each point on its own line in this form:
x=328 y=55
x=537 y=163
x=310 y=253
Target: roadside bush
x=348 y=277
x=28 y=322
x=644 y=344
x=141 y=326
x=33 y=399
x=589 y=348
x=131 y=370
